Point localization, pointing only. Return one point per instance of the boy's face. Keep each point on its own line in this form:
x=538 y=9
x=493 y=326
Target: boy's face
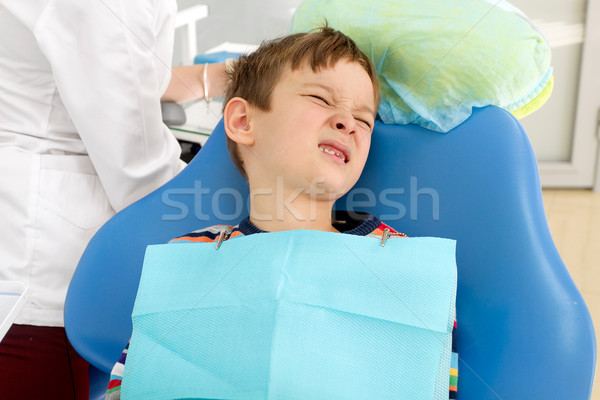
x=317 y=133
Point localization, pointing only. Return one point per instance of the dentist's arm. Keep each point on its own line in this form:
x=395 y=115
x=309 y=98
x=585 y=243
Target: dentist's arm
x=111 y=62
x=188 y=82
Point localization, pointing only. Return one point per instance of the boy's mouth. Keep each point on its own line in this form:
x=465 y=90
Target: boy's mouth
x=336 y=150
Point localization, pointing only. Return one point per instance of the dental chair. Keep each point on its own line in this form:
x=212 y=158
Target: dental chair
x=524 y=331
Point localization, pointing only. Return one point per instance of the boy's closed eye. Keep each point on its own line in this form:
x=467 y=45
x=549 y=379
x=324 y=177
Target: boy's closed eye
x=368 y=125
x=319 y=98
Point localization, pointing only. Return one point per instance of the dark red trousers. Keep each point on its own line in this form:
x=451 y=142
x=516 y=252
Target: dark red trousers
x=38 y=362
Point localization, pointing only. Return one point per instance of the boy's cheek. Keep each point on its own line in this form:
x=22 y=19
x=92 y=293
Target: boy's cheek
x=363 y=141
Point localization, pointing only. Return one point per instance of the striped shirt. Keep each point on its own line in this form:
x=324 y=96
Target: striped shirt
x=353 y=223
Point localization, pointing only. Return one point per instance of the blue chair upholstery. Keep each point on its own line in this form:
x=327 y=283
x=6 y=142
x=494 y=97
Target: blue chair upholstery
x=524 y=331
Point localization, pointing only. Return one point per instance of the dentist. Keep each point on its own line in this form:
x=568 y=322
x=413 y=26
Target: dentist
x=81 y=137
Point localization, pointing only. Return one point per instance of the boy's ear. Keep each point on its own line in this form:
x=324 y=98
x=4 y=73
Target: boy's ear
x=236 y=118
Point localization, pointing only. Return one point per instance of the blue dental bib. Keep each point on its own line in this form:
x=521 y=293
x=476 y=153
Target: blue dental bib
x=299 y=314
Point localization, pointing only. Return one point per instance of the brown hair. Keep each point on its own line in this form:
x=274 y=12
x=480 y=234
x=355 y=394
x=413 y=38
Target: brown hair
x=254 y=76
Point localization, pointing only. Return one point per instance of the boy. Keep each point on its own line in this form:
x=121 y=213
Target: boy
x=299 y=113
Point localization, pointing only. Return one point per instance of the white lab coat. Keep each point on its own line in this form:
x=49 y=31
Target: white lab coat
x=81 y=134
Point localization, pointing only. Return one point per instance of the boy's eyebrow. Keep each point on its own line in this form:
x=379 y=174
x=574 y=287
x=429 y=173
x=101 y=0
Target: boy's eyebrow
x=363 y=107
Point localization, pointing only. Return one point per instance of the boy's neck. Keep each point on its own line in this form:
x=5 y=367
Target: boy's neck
x=273 y=214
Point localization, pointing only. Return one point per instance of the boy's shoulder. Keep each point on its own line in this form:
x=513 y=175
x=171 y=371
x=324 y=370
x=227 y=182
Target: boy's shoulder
x=209 y=234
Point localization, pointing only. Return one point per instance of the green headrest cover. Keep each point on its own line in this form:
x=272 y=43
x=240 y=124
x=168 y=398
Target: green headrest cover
x=437 y=59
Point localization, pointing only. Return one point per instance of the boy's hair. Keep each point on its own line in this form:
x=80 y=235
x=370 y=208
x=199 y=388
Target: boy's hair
x=254 y=76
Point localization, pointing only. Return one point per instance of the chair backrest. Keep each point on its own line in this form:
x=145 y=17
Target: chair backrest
x=524 y=331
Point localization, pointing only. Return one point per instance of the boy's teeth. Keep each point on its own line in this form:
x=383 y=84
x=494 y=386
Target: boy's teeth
x=333 y=152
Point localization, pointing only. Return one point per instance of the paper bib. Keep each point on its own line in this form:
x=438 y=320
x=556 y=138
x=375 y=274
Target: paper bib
x=300 y=314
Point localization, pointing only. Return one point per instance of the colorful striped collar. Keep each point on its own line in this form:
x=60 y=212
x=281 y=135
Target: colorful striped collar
x=350 y=222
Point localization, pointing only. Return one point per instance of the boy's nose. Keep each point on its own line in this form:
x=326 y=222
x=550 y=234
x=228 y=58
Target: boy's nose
x=343 y=124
